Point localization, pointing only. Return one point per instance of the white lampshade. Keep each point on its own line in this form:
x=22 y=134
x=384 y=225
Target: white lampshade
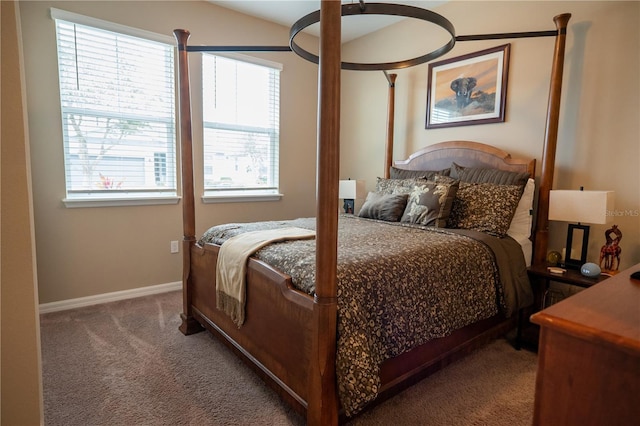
x=351 y=189
x=580 y=206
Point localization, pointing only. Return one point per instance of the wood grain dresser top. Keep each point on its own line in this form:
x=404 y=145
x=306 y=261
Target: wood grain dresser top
x=608 y=312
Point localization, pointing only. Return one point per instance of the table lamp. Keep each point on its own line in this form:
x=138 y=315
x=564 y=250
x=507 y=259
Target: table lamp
x=350 y=190
x=581 y=207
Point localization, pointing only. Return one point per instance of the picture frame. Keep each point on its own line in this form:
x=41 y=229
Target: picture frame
x=468 y=89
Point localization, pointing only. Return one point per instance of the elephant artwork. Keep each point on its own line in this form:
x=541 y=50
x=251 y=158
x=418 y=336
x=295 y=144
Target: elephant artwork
x=468 y=89
x=463 y=87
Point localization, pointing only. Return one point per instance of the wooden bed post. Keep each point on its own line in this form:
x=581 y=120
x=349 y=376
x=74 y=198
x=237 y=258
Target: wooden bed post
x=189 y=325
x=390 y=123
x=322 y=399
x=541 y=238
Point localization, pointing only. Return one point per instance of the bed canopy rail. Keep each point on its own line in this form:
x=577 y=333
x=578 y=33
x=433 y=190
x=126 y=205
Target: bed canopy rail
x=322 y=402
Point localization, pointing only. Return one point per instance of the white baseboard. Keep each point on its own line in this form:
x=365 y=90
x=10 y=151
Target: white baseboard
x=80 y=302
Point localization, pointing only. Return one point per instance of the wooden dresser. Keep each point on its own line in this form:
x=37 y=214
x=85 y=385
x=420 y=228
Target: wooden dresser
x=589 y=356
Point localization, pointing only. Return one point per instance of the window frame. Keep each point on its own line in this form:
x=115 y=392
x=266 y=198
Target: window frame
x=123 y=197
x=238 y=194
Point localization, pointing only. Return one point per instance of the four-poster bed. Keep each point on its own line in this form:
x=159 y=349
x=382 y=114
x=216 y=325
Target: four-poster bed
x=290 y=337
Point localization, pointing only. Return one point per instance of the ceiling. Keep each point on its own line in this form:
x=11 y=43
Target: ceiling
x=287 y=12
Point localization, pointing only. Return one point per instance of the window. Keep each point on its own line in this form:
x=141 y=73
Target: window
x=117 y=94
x=241 y=114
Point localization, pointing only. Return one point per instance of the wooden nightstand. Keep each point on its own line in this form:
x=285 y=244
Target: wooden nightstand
x=540 y=277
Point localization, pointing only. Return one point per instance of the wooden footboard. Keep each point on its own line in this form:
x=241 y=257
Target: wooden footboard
x=275 y=339
x=407 y=369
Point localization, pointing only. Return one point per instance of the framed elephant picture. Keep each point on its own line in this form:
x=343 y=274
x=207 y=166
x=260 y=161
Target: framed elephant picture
x=468 y=89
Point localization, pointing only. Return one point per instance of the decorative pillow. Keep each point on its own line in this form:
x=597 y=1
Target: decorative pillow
x=520 y=228
x=488 y=175
x=397 y=186
x=396 y=173
x=430 y=204
x=404 y=186
x=387 y=207
x=484 y=207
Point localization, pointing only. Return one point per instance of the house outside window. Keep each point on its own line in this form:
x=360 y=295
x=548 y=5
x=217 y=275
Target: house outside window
x=241 y=115
x=117 y=94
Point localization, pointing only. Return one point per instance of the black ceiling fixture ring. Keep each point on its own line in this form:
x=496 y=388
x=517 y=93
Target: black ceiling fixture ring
x=377 y=9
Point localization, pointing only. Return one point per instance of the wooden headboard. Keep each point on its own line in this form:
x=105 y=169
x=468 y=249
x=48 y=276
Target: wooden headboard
x=439 y=156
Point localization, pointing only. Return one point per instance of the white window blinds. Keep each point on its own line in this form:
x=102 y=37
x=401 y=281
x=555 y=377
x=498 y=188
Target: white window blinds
x=241 y=115
x=118 y=113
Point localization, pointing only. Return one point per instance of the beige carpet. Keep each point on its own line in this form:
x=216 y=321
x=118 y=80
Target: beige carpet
x=126 y=363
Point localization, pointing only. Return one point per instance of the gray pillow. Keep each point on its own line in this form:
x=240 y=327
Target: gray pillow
x=387 y=207
x=488 y=175
x=396 y=173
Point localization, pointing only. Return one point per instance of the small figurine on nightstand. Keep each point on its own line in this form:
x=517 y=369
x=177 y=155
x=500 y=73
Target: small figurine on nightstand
x=610 y=252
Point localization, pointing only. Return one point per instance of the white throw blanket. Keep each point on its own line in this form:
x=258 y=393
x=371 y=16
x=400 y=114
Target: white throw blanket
x=232 y=265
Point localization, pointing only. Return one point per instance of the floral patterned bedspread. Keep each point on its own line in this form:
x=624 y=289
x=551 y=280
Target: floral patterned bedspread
x=399 y=286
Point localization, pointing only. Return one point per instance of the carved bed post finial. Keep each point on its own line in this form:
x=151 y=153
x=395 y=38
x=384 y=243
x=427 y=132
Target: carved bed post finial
x=541 y=238
x=390 y=124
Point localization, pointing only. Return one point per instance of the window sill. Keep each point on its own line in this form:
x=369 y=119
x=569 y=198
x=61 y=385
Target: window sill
x=240 y=197
x=120 y=201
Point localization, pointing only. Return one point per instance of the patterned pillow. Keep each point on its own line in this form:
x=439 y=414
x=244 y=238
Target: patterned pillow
x=397 y=186
x=387 y=207
x=405 y=186
x=430 y=204
x=484 y=207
